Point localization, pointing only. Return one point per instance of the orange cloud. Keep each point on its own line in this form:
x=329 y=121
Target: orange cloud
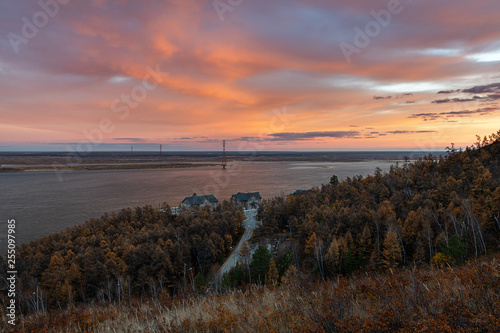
x=226 y=78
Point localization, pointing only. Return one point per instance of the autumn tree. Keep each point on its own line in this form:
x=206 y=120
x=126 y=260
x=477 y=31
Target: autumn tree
x=291 y=276
x=272 y=275
x=314 y=248
x=246 y=258
x=365 y=242
x=334 y=258
x=54 y=283
x=311 y=244
x=392 y=250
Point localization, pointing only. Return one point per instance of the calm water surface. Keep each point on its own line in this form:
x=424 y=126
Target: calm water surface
x=41 y=204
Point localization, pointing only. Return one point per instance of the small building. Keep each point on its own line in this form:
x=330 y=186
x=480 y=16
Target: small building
x=247 y=200
x=299 y=192
x=199 y=201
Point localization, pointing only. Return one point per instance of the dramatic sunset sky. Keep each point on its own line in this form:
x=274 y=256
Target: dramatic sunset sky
x=285 y=74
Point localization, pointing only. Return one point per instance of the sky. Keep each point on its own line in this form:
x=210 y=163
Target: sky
x=263 y=75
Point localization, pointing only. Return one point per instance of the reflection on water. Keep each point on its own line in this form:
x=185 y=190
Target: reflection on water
x=41 y=204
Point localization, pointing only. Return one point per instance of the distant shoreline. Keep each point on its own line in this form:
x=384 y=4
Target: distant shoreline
x=101 y=167
x=25 y=161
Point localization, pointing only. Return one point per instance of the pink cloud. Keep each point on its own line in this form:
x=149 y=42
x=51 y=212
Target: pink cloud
x=226 y=77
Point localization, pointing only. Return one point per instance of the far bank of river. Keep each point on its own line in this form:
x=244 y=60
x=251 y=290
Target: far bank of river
x=95 y=166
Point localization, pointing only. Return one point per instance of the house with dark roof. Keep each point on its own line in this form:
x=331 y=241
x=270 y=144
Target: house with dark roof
x=199 y=201
x=300 y=192
x=247 y=200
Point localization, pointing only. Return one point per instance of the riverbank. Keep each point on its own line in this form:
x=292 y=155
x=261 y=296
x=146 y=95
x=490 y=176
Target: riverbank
x=117 y=166
x=59 y=161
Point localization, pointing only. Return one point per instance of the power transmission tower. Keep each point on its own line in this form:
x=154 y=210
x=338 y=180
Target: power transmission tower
x=224 y=162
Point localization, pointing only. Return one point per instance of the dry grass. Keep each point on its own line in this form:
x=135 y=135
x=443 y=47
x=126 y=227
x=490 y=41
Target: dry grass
x=461 y=299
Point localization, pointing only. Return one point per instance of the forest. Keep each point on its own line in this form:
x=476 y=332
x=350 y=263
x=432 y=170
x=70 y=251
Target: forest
x=440 y=210
x=417 y=245
x=132 y=253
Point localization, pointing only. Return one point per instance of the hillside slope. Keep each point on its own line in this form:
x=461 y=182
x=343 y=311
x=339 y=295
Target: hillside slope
x=437 y=209
x=462 y=299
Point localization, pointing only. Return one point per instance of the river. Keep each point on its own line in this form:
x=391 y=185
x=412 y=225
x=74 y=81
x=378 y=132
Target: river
x=41 y=204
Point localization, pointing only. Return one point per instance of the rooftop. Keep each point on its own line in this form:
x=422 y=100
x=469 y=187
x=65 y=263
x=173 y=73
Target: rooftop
x=198 y=199
x=246 y=196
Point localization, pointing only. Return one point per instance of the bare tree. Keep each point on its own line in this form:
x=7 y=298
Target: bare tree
x=473 y=229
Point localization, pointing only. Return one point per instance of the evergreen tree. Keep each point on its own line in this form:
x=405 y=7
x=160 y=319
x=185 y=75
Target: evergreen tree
x=237 y=275
x=260 y=263
x=284 y=263
x=334 y=180
x=349 y=263
x=199 y=281
x=456 y=249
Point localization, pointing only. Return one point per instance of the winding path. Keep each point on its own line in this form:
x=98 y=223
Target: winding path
x=250 y=223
